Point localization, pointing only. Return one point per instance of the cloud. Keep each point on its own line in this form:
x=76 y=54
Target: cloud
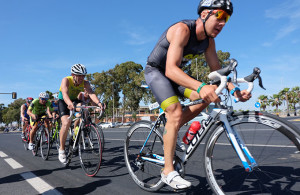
x=137 y=35
x=289 y=11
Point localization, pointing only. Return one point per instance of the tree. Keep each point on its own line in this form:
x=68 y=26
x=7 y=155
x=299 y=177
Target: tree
x=284 y=95
x=263 y=99
x=2 y=107
x=199 y=69
x=275 y=101
x=12 y=112
x=294 y=98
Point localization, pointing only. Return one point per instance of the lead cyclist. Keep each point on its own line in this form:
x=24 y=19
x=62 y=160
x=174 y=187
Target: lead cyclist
x=181 y=42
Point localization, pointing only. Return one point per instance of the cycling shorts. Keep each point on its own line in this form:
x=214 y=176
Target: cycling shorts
x=32 y=123
x=63 y=107
x=165 y=91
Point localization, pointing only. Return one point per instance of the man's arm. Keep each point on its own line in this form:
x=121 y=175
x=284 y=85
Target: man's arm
x=92 y=95
x=213 y=63
x=23 y=112
x=65 y=93
x=178 y=36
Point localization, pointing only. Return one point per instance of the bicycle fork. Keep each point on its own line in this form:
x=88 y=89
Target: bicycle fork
x=239 y=145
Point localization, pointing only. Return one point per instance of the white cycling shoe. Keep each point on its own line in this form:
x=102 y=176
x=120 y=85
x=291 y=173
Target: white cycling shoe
x=62 y=156
x=30 y=146
x=174 y=180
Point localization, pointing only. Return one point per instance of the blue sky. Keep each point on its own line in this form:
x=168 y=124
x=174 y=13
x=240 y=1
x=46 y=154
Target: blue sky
x=41 y=40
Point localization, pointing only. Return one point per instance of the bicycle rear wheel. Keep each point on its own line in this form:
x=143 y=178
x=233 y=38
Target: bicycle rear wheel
x=90 y=150
x=45 y=143
x=26 y=137
x=274 y=144
x=146 y=174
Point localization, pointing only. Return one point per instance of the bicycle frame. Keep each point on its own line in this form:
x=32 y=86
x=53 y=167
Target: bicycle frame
x=215 y=116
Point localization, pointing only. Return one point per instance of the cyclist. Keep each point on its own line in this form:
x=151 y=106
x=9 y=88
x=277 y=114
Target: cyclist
x=54 y=104
x=70 y=87
x=181 y=42
x=38 y=108
x=24 y=115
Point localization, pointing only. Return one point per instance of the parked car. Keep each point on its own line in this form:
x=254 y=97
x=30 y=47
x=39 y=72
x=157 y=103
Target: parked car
x=118 y=124
x=106 y=125
x=129 y=123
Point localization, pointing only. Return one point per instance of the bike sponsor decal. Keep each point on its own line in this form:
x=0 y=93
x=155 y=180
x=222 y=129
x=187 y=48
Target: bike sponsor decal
x=254 y=119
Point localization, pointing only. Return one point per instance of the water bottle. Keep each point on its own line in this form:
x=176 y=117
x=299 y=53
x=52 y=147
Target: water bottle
x=191 y=132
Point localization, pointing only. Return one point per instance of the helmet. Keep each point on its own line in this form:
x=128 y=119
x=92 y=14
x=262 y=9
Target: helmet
x=93 y=87
x=55 y=96
x=44 y=95
x=29 y=99
x=225 y=5
x=78 y=69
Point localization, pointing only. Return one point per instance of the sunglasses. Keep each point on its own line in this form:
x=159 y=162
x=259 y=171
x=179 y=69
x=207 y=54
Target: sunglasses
x=44 y=99
x=221 y=15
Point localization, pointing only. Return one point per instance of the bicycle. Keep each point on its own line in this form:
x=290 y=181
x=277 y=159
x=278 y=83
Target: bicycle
x=54 y=135
x=41 y=139
x=245 y=152
x=26 y=136
x=88 y=142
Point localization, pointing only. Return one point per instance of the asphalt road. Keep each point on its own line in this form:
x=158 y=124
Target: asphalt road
x=22 y=173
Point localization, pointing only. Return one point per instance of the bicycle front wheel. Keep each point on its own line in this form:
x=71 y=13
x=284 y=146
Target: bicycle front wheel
x=142 y=151
x=45 y=143
x=90 y=150
x=273 y=143
x=100 y=130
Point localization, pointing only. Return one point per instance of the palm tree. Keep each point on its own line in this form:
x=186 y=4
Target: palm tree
x=275 y=101
x=294 y=98
x=284 y=94
x=263 y=99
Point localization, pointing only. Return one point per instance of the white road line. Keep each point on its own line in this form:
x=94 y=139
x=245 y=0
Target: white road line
x=39 y=184
x=14 y=164
x=2 y=154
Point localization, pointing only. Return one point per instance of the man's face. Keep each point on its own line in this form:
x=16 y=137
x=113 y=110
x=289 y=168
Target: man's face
x=78 y=79
x=43 y=100
x=214 y=23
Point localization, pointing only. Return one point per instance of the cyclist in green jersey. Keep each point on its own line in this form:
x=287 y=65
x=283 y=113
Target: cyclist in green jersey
x=70 y=87
x=39 y=107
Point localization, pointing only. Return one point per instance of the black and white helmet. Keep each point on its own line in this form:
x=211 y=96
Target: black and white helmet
x=78 y=69
x=44 y=95
x=225 y=5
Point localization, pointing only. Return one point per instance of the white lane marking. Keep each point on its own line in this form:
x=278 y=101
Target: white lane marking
x=39 y=184
x=14 y=164
x=2 y=154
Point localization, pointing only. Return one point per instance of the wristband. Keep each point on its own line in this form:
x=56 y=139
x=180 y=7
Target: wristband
x=234 y=90
x=200 y=87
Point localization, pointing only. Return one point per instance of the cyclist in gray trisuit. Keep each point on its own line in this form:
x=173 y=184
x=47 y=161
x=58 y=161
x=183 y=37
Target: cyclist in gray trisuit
x=181 y=42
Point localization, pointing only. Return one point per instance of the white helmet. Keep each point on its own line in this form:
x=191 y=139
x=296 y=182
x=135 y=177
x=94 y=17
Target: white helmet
x=55 y=96
x=78 y=69
x=44 y=95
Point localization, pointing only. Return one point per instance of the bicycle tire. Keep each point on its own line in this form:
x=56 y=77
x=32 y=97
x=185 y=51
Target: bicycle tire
x=45 y=143
x=101 y=136
x=69 y=147
x=36 y=142
x=26 y=137
x=90 y=150
x=274 y=144
x=144 y=173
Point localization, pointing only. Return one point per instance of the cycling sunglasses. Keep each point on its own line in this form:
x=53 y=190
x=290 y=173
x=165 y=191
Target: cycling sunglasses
x=44 y=99
x=221 y=14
